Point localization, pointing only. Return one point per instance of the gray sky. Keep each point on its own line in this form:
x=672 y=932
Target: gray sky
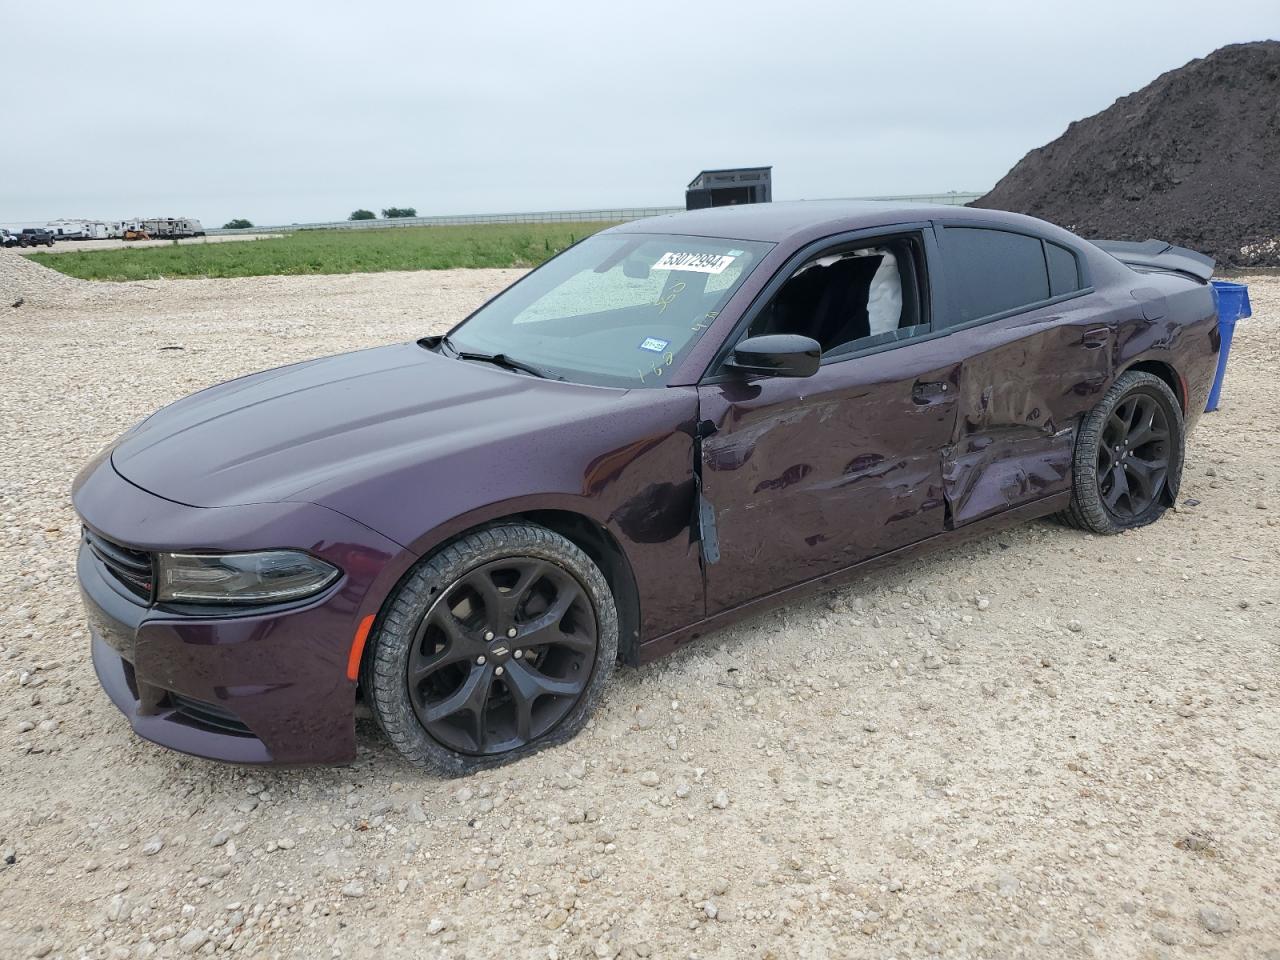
x=284 y=111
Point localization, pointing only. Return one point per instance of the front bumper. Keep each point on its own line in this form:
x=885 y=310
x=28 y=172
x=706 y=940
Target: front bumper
x=263 y=686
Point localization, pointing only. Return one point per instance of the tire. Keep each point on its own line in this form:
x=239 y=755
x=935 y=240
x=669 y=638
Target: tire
x=446 y=625
x=1115 y=486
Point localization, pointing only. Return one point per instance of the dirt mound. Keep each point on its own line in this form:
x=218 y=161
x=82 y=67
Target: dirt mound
x=1191 y=158
x=25 y=280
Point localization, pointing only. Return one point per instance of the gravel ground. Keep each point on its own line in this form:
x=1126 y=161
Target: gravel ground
x=1042 y=745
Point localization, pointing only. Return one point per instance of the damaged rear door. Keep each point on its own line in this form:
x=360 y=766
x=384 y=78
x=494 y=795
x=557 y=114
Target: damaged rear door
x=1038 y=354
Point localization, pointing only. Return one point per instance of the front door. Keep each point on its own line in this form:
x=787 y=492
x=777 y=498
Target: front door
x=802 y=477
x=806 y=477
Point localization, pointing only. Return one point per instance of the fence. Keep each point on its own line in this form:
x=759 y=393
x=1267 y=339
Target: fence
x=615 y=215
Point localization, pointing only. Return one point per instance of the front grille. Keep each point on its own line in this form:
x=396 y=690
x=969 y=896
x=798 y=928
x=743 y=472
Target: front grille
x=208 y=716
x=130 y=567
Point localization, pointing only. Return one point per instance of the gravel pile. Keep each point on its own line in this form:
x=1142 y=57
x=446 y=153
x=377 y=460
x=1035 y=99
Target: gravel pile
x=24 y=280
x=1042 y=744
x=1191 y=158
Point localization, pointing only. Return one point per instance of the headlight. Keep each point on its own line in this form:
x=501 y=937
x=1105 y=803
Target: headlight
x=271 y=576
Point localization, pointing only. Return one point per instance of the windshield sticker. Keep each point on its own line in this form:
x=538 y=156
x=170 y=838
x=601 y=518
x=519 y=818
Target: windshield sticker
x=654 y=345
x=694 y=262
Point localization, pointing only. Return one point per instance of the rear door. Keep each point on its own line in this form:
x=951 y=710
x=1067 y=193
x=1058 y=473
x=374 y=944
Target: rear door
x=1019 y=309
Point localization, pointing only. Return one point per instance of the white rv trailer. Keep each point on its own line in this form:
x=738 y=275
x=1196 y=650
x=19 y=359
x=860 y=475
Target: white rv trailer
x=66 y=229
x=171 y=227
x=85 y=229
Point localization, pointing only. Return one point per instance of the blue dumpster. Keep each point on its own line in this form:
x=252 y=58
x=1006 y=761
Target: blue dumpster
x=1233 y=304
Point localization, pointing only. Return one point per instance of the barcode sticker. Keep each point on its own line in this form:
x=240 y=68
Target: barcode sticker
x=694 y=262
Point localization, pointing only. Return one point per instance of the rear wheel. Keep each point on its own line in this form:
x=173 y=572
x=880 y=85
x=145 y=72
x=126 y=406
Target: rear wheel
x=1128 y=457
x=495 y=647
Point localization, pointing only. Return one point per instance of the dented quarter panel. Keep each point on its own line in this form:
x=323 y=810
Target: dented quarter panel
x=807 y=476
x=1183 y=335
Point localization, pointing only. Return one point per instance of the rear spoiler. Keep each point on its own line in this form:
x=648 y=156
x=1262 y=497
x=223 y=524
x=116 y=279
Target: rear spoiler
x=1158 y=255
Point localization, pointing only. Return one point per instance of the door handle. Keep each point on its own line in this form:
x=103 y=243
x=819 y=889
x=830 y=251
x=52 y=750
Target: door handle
x=926 y=391
x=1097 y=337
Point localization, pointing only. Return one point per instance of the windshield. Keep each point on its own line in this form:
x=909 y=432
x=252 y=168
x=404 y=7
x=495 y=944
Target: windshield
x=617 y=309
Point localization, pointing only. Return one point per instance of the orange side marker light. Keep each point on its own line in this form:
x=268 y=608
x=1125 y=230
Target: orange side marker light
x=357 y=647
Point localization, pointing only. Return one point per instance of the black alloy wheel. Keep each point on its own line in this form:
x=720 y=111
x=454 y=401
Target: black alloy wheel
x=1128 y=456
x=1133 y=457
x=502 y=655
x=495 y=646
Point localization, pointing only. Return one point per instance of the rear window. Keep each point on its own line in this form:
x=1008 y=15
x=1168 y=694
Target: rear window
x=1064 y=274
x=991 y=271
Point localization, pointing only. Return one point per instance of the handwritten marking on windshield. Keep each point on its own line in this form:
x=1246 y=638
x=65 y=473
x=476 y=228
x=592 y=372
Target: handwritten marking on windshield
x=664 y=302
x=703 y=325
x=668 y=360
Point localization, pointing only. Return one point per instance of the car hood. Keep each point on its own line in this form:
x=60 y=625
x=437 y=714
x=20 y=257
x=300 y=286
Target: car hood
x=306 y=430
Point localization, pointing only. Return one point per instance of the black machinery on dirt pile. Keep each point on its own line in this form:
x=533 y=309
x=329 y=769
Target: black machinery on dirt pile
x=725 y=188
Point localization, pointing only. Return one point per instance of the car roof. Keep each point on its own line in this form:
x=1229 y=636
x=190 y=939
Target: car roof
x=777 y=222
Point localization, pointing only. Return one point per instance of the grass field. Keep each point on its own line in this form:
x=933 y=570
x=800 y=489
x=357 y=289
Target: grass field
x=331 y=251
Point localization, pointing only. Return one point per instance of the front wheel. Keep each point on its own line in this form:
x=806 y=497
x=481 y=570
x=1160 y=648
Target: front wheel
x=1128 y=457
x=496 y=646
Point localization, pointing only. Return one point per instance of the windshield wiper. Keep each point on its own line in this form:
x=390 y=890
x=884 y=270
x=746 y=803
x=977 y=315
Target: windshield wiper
x=498 y=360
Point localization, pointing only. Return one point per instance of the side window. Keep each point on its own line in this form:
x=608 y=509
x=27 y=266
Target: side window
x=1064 y=274
x=990 y=271
x=851 y=298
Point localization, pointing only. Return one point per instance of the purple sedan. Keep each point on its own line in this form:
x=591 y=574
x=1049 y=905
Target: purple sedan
x=672 y=424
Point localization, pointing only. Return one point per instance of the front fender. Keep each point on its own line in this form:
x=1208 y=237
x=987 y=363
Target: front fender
x=630 y=473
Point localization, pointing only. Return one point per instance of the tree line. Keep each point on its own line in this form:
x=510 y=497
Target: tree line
x=388 y=213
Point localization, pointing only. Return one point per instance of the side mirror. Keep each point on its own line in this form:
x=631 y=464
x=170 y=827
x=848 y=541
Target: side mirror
x=777 y=355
